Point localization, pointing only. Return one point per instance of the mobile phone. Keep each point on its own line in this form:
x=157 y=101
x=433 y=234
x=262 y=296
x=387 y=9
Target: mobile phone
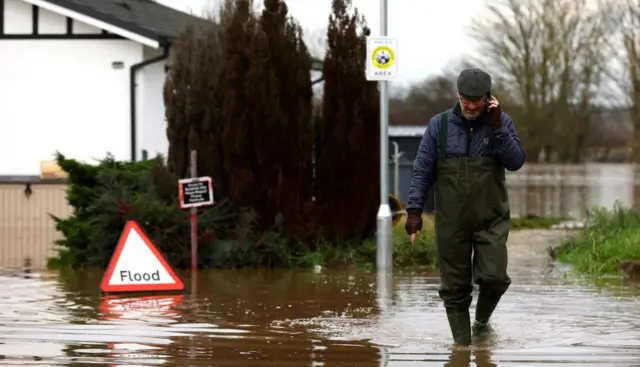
x=487 y=99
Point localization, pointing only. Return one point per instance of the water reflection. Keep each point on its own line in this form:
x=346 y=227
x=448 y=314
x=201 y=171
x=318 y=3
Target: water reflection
x=129 y=311
x=384 y=291
x=464 y=358
x=331 y=318
x=566 y=190
x=160 y=308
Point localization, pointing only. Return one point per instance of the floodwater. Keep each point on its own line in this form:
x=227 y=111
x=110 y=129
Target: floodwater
x=558 y=190
x=567 y=190
x=326 y=318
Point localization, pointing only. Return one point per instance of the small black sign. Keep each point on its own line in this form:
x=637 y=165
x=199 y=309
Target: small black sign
x=195 y=192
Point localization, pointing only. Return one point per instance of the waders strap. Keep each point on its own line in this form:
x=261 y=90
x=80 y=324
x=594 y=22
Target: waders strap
x=444 y=132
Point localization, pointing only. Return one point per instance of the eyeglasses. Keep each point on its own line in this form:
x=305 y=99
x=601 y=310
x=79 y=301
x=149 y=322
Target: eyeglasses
x=475 y=101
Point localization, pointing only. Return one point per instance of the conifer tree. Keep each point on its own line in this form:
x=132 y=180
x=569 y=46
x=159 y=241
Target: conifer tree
x=193 y=98
x=267 y=116
x=347 y=146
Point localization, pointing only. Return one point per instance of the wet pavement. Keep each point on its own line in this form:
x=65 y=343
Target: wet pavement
x=328 y=318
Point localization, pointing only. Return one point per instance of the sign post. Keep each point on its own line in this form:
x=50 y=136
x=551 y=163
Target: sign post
x=194 y=216
x=382 y=66
x=195 y=192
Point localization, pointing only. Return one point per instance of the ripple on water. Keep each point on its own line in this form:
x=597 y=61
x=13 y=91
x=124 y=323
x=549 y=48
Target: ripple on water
x=542 y=318
x=301 y=318
x=43 y=325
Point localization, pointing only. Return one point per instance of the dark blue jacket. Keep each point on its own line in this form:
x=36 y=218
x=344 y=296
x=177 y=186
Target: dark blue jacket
x=480 y=142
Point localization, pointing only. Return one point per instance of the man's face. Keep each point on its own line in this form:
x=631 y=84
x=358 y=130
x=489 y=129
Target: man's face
x=472 y=107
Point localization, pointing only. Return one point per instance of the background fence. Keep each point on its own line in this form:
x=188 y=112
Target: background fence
x=26 y=229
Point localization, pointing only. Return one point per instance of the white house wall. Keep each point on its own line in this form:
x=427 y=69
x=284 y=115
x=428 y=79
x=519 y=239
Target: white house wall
x=64 y=96
x=68 y=96
x=50 y=23
x=82 y=28
x=61 y=95
x=18 y=19
x=152 y=135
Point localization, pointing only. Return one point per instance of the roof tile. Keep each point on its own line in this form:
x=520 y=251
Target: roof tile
x=144 y=17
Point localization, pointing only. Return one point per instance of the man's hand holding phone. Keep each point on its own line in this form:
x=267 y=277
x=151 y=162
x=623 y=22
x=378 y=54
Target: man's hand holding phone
x=494 y=114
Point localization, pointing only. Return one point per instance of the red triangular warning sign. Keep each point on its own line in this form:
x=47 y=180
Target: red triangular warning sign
x=138 y=266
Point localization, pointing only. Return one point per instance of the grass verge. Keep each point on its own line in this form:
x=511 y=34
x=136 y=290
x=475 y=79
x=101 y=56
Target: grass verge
x=405 y=255
x=610 y=236
x=363 y=255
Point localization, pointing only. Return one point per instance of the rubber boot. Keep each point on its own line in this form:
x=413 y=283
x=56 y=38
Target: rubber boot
x=484 y=309
x=460 y=324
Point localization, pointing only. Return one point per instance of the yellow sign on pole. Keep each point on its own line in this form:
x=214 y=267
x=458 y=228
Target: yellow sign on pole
x=382 y=58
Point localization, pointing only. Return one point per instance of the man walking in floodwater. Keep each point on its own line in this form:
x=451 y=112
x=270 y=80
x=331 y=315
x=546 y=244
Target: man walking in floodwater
x=464 y=152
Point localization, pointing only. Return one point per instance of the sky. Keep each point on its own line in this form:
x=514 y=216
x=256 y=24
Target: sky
x=430 y=38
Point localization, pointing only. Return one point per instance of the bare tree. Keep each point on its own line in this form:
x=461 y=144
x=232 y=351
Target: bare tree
x=423 y=100
x=627 y=18
x=418 y=103
x=551 y=57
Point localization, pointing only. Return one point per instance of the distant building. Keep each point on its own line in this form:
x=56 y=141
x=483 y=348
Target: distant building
x=84 y=77
x=408 y=139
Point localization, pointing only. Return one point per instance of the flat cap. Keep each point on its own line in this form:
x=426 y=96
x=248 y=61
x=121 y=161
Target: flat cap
x=474 y=83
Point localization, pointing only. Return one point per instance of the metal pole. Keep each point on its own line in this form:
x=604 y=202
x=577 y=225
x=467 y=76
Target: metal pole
x=194 y=219
x=384 y=256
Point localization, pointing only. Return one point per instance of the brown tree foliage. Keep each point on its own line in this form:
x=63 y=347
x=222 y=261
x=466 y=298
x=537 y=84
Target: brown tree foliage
x=627 y=18
x=193 y=97
x=424 y=100
x=177 y=93
x=347 y=145
x=278 y=87
x=238 y=137
x=438 y=93
x=552 y=56
x=239 y=93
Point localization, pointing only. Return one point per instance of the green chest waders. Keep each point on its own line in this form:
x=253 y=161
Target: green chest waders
x=472 y=226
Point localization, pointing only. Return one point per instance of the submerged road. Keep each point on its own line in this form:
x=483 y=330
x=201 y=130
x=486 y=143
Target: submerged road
x=330 y=318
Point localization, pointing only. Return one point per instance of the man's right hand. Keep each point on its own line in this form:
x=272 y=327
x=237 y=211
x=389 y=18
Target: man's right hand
x=414 y=223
